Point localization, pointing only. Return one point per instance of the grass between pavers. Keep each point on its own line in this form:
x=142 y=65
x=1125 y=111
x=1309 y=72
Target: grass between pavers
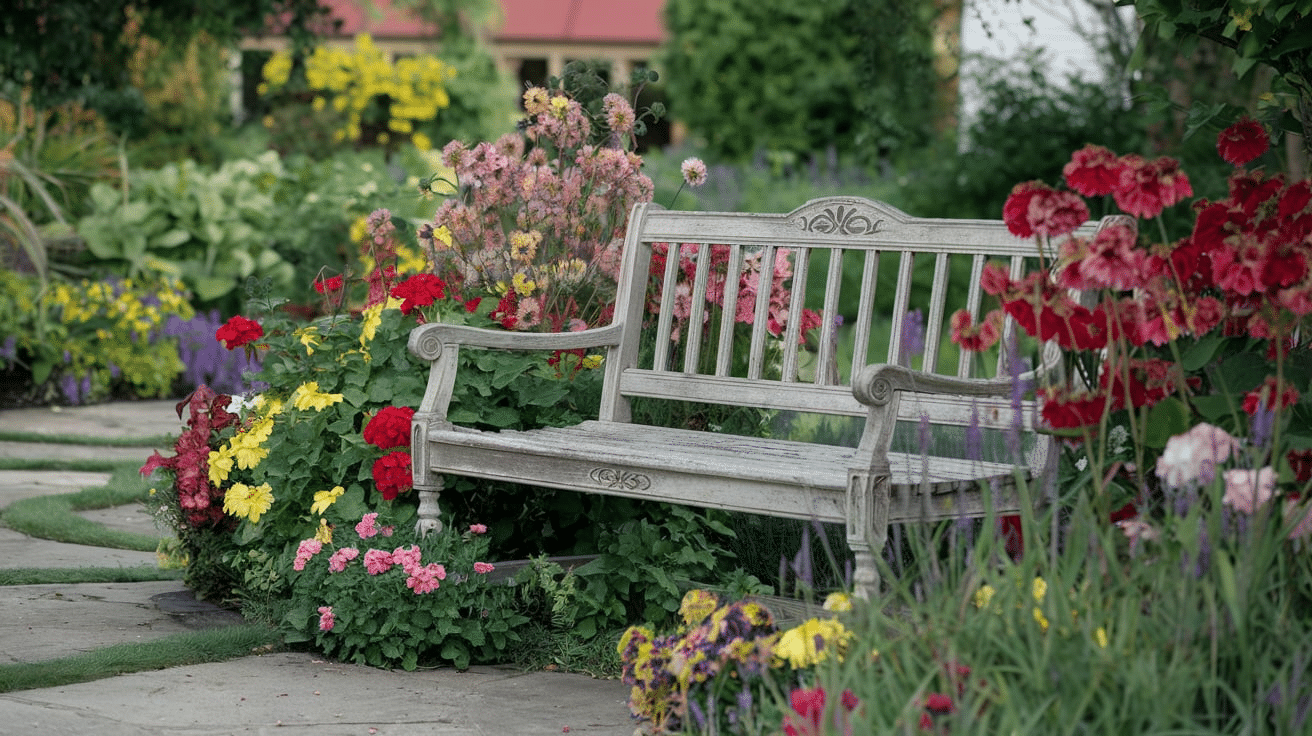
x=162 y=440
x=76 y=575
x=193 y=647
x=53 y=517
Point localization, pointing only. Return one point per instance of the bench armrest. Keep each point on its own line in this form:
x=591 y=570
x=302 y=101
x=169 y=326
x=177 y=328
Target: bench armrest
x=875 y=384
x=426 y=341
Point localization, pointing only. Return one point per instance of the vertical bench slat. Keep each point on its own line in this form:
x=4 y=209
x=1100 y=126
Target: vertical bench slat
x=696 y=326
x=797 y=301
x=973 y=298
x=901 y=297
x=665 y=322
x=826 y=370
x=934 y=321
x=732 y=275
x=764 y=285
x=865 y=312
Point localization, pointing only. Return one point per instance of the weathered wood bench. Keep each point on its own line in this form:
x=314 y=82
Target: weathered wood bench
x=693 y=353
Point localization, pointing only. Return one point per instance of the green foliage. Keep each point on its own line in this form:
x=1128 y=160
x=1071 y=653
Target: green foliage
x=1025 y=129
x=742 y=85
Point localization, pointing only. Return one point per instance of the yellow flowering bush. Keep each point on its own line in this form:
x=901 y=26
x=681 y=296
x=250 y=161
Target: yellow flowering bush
x=383 y=102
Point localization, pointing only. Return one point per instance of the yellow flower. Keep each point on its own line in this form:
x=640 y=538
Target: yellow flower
x=259 y=431
x=324 y=499
x=373 y=317
x=220 y=462
x=838 y=602
x=1243 y=21
x=593 y=361
x=410 y=260
x=325 y=532
x=797 y=646
x=697 y=605
x=1040 y=618
x=984 y=595
x=246 y=502
x=248 y=454
x=1100 y=636
x=319 y=103
x=421 y=141
x=308 y=396
x=1040 y=589
x=523 y=285
x=309 y=337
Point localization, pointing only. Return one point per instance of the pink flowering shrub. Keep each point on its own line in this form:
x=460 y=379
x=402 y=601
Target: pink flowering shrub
x=415 y=601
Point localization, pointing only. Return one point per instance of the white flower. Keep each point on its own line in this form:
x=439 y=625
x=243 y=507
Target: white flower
x=694 y=171
x=1192 y=457
x=1246 y=490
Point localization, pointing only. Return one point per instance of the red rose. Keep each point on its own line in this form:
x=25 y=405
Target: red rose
x=328 y=285
x=419 y=290
x=1242 y=142
x=393 y=475
x=389 y=428
x=238 y=331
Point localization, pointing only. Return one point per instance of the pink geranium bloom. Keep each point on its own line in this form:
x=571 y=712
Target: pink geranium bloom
x=377 y=562
x=337 y=563
x=1112 y=261
x=477 y=529
x=1192 y=457
x=368 y=526
x=304 y=551
x=1246 y=490
x=407 y=558
x=326 y=618
x=425 y=579
x=1055 y=213
x=482 y=568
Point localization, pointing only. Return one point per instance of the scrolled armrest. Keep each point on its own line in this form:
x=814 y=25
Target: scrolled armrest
x=426 y=341
x=875 y=384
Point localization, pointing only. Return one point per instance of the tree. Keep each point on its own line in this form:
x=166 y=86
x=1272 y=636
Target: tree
x=66 y=49
x=1272 y=33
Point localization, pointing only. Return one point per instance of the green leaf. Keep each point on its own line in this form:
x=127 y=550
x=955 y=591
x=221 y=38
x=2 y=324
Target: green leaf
x=170 y=239
x=1168 y=418
x=1201 y=352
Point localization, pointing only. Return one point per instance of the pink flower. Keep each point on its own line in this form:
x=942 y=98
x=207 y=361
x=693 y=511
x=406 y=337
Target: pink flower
x=694 y=171
x=1242 y=142
x=1246 y=490
x=368 y=526
x=377 y=562
x=304 y=551
x=1112 y=261
x=1303 y=525
x=483 y=568
x=326 y=618
x=477 y=529
x=425 y=579
x=1192 y=457
x=1055 y=213
x=976 y=338
x=337 y=562
x=408 y=559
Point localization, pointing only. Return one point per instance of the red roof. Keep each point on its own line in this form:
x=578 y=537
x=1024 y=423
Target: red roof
x=595 y=21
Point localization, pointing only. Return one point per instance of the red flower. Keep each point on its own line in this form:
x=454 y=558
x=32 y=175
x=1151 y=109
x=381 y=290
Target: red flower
x=1300 y=461
x=393 y=475
x=328 y=285
x=1016 y=210
x=1263 y=397
x=238 y=331
x=976 y=338
x=1063 y=411
x=419 y=290
x=1242 y=142
x=1093 y=171
x=1148 y=187
x=389 y=428
x=939 y=703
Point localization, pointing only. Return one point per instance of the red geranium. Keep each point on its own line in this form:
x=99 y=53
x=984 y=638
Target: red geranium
x=329 y=285
x=1242 y=142
x=1263 y=397
x=419 y=290
x=1093 y=171
x=393 y=475
x=1148 y=187
x=389 y=428
x=238 y=331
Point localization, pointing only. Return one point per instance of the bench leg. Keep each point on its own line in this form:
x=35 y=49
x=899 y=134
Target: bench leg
x=430 y=519
x=867 y=527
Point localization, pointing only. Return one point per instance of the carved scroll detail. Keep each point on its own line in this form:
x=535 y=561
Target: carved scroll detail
x=840 y=220
x=620 y=479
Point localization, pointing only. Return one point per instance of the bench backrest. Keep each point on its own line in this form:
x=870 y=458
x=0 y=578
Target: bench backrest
x=812 y=257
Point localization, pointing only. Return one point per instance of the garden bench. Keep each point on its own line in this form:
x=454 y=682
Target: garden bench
x=692 y=352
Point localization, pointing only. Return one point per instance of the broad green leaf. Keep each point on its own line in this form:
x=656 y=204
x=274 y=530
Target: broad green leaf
x=1201 y=352
x=208 y=288
x=1168 y=418
x=170 y=239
